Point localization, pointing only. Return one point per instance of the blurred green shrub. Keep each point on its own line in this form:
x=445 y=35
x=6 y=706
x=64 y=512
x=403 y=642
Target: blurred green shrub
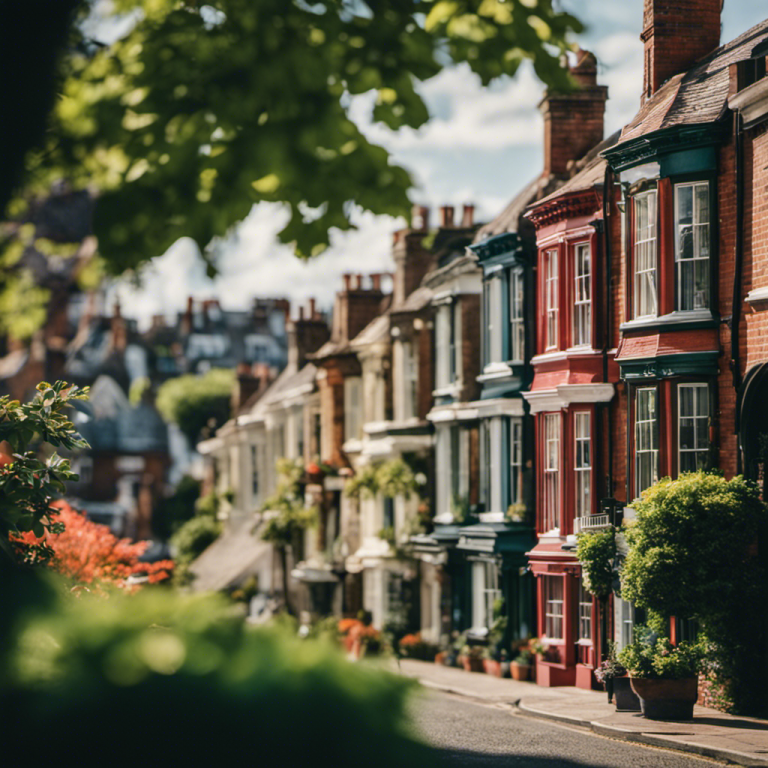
x=162 y=679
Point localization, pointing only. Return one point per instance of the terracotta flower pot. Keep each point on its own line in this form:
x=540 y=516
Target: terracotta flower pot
x=666 y=699
x=520 y=671
x=440 y=657
x=472 y=664
x=492 y=667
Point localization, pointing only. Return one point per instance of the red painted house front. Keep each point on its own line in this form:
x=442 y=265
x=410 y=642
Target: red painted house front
x=572 y=392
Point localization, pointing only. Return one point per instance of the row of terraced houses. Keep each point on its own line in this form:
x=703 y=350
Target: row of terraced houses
x=537 y=373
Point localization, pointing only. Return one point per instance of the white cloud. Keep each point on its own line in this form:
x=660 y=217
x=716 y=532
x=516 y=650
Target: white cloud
x=253 y=264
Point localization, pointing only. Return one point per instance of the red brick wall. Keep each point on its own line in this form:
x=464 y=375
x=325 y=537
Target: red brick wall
x=754 y=330
x=676 y=34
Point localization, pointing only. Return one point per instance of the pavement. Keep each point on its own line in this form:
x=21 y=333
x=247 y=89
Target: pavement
x=739 y=740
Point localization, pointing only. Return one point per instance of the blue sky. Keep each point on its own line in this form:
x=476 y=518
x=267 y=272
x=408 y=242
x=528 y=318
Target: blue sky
x=481 y=146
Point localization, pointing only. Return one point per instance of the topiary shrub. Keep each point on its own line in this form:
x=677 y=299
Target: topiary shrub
x=692 y=554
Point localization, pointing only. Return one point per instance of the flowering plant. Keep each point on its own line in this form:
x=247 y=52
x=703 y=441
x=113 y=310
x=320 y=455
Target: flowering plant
x=661 y=659
x=610 y=667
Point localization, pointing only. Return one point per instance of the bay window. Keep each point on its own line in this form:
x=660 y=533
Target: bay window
x=494 y=461
x=516 y=320
x=692 y=245
x=582 y=463
x=551 y=298
x=582 y=294
x=646 y=439
x=645 y=246
x=551 y=500
x=693 y=427
x=553 y=607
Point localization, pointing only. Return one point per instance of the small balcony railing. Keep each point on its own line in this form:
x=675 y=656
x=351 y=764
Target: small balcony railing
x=592 y=522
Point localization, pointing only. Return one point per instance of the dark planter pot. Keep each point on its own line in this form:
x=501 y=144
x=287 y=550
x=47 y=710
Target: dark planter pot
x=505 y=669
x=472 y=664
x=666 y=699
x=626 y=699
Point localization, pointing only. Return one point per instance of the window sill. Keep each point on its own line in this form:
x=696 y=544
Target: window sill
x=698 y=318
x=758 y=296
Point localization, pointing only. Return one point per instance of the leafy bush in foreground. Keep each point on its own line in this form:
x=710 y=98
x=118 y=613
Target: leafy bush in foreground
x=159 y=679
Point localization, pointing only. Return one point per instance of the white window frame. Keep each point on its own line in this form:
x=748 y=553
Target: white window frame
x=495 y=325
x=442 y=347
x=585 y=615
x=494 y=461
x=515 y=461
x=516 y=315
x=411 y=380
x=582 y=295
x=442 y=470
x=551 y=480
x=353 y=417
x=701 y=246
x=552 y=297
x=255 y=487
x=582 y=462
x=646 y=439
x=554 y=607
x=485 y=592
x=700 y=450
x=645 y=255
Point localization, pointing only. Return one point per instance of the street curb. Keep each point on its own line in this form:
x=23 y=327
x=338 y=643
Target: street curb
x=461 y=692
x=728 y=756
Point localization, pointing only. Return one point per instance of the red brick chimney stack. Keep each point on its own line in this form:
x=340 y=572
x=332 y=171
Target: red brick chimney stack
x=355 y=307
x=446 y=216
x=676 y=34
x=420 y=218
x=306 y=335
x=573 y=122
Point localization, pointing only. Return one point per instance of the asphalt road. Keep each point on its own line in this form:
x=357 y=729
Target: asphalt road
x=481 y=736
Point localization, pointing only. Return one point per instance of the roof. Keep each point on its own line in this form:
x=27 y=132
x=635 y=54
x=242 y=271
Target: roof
x=415 y=301
x=232 y=558
x=289 y=384
x=591 y=172
x=509 y=219
x=377 y=330
x=467 y=262
x=697 y=96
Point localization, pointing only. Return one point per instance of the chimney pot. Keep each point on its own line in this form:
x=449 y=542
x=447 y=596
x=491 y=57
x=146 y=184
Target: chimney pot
x=301 y=313
x=312 y=310
x=420 y=218
x=376 y=282
x=468 y=215
x=347 y=281
x=446 y=216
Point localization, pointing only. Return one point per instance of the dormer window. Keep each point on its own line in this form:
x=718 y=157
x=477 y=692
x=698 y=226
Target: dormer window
x=645 y=238
x=552 y=298
x=692 y=245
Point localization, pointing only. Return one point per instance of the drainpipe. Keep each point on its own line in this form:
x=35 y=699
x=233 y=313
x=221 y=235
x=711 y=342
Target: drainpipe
x=607 y=193
x=738 y=141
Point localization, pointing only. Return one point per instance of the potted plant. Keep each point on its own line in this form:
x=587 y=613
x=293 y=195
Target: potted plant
x=505 y=663
x=616 y=682
x=492 y=662
x=472 y=658
x=520 y=667
x=664 y=676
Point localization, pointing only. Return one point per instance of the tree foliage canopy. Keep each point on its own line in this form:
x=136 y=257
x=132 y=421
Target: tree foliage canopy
x=201 y=110
x=197 y=404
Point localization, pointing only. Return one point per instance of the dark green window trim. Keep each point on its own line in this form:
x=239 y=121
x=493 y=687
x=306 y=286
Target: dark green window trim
x=669 y=366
